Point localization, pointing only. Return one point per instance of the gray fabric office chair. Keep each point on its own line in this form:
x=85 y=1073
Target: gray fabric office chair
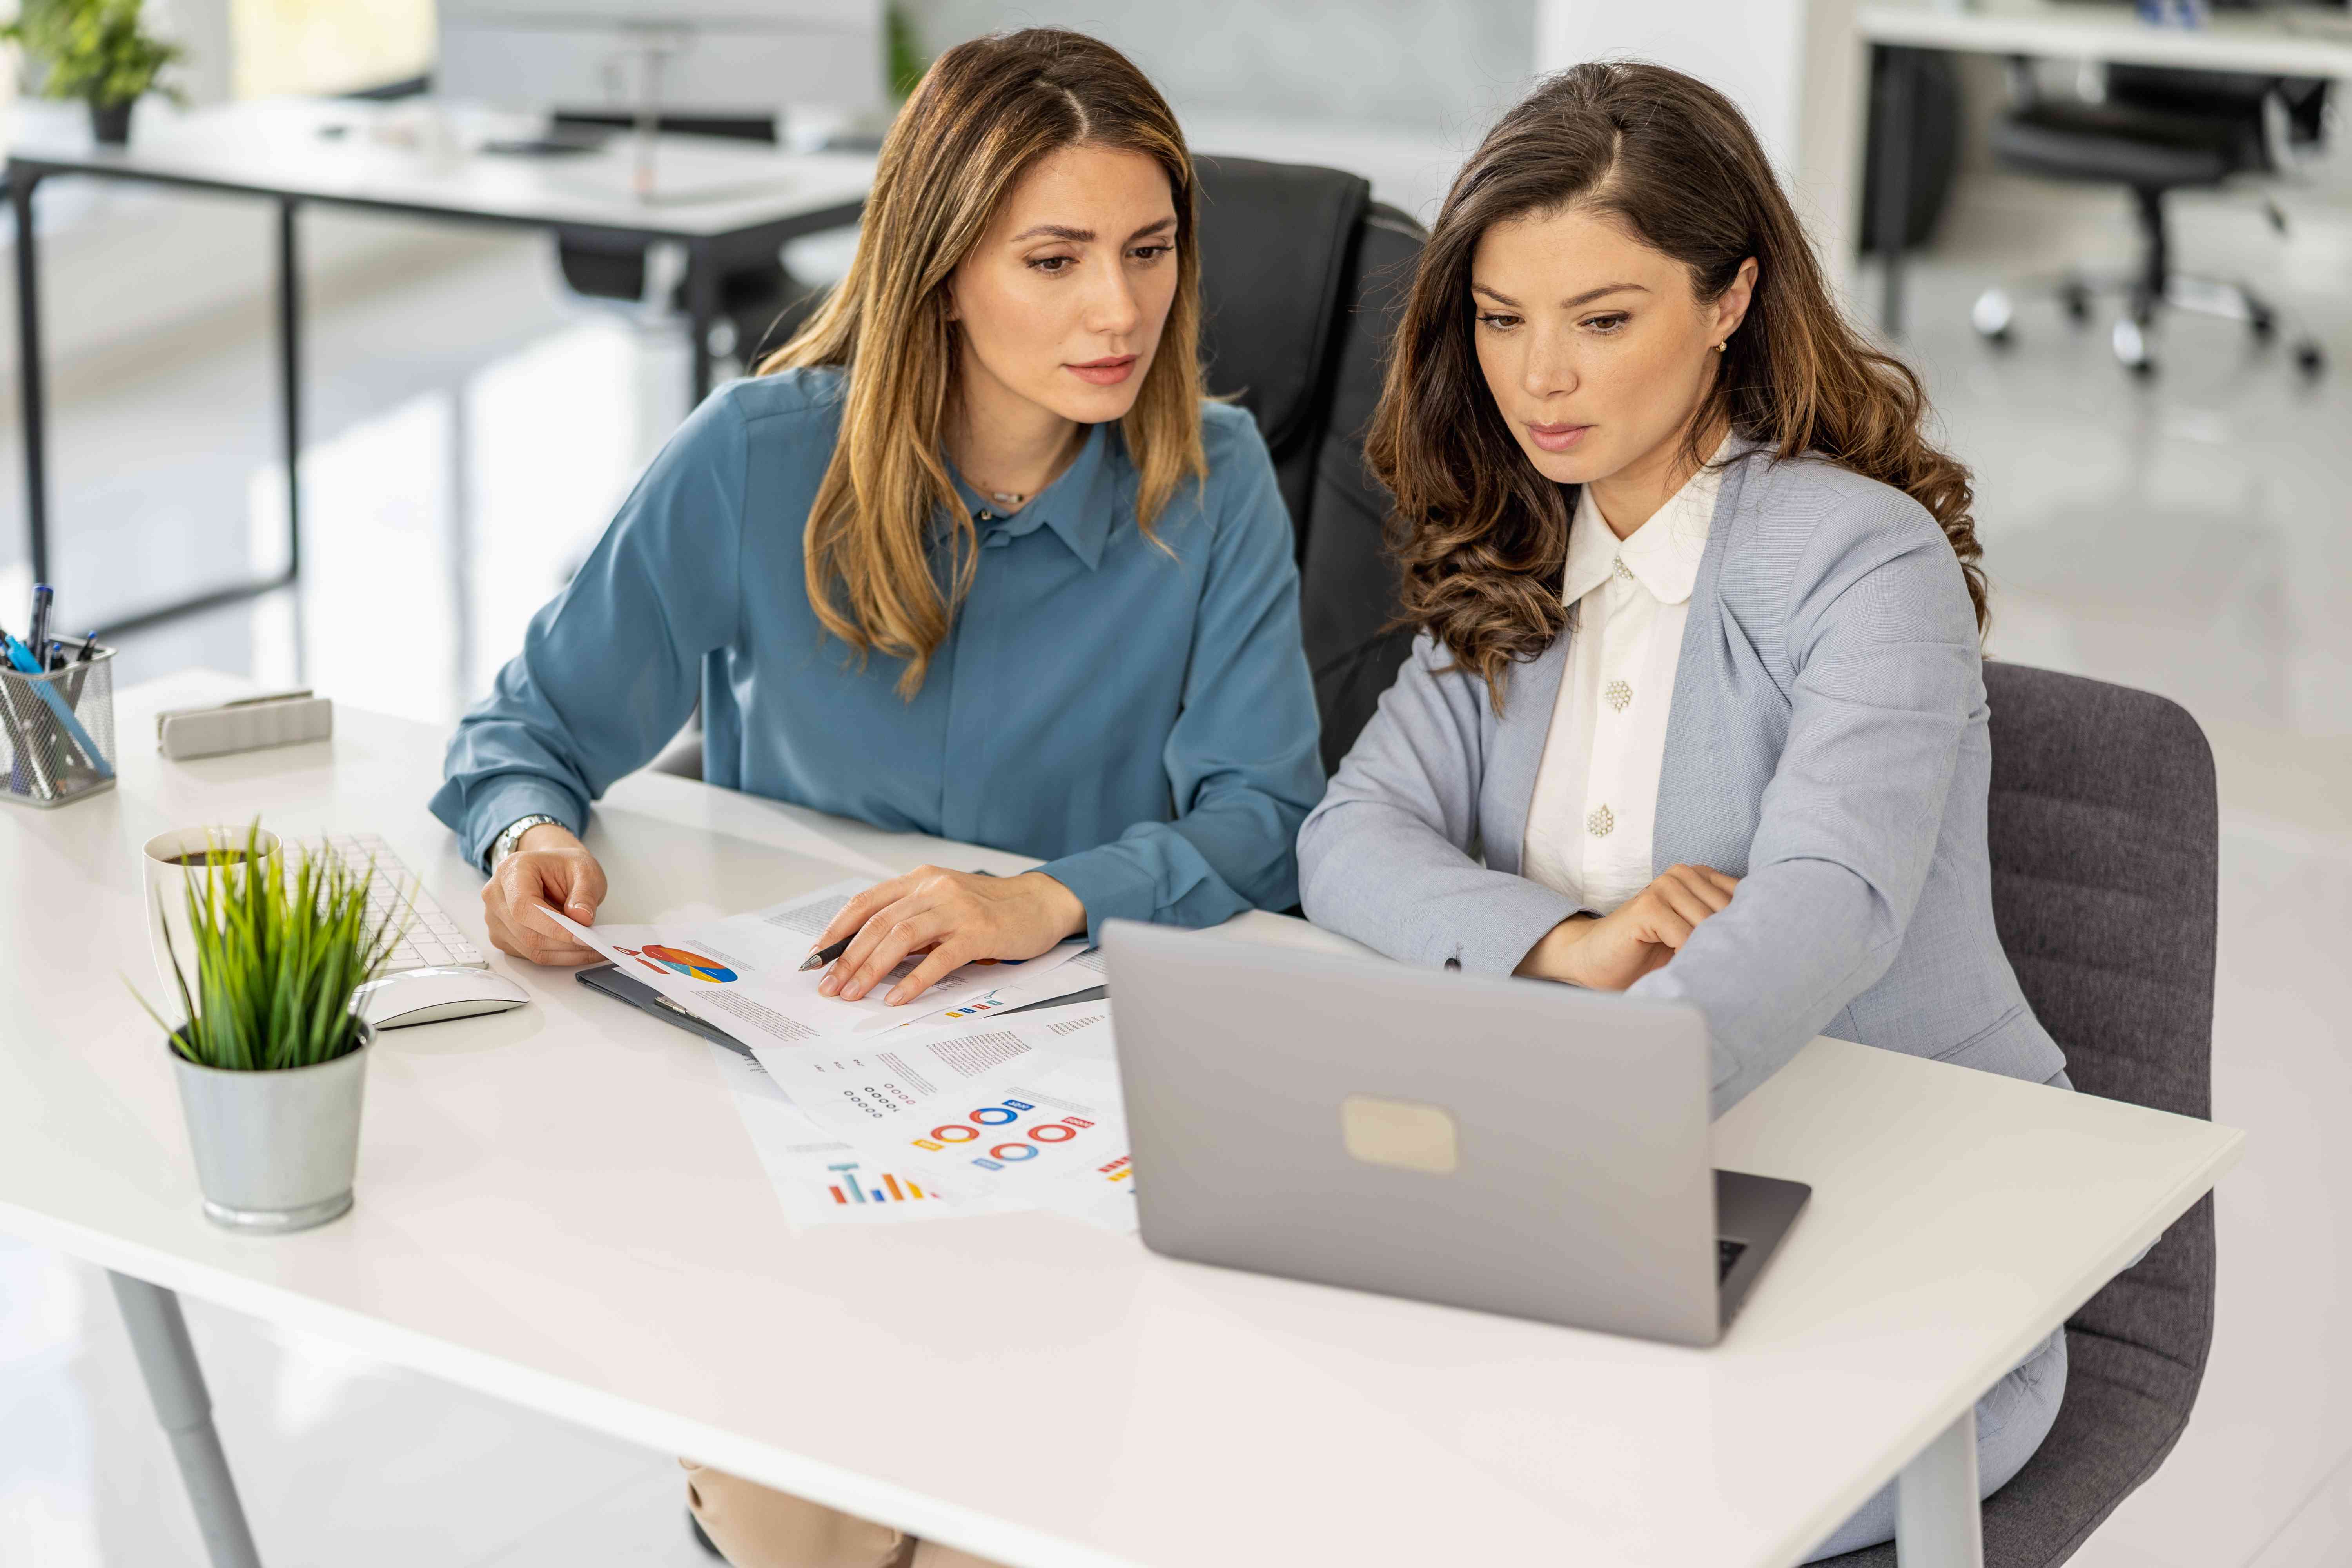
x=2105 y=854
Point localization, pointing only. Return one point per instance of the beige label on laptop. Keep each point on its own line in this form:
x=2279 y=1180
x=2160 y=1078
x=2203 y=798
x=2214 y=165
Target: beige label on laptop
x=1401 y=1134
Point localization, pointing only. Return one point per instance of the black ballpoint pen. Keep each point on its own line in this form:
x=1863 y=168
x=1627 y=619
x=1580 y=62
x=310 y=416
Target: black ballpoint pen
x=825 y=955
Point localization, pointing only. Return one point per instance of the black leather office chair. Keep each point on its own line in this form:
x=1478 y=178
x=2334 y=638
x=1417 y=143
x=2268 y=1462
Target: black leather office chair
x=2105 y=858
x=2157 y=132
x=1302 y=275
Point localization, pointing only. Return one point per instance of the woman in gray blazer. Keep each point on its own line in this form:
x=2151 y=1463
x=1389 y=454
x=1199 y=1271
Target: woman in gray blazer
x=1697 y=711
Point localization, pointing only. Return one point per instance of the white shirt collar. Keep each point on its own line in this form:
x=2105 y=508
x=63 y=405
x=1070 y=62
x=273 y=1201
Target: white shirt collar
x=1663 y=554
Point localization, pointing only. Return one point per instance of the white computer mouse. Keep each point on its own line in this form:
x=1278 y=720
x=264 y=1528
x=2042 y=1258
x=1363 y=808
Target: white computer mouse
x=430 y=995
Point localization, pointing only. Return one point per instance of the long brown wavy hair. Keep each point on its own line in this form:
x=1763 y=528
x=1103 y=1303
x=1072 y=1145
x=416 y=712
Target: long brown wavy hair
x=1481 y=535
x=982 y=116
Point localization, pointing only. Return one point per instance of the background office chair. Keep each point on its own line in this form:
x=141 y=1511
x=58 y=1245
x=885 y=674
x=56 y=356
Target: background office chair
x=760 y=304
x=2105 y=859
x=1300 y=275
x=2158 y=130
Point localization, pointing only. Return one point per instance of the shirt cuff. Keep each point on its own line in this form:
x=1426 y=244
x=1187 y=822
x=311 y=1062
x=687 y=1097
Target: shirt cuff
x=1512 y=917
x=510 y=802
x=1111 y=885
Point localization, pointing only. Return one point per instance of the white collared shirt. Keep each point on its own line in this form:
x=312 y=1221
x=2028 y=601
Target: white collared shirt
x=1592 y=817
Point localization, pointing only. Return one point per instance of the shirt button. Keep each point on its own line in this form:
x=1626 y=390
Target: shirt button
x=1602 y=820
x=1617 y=694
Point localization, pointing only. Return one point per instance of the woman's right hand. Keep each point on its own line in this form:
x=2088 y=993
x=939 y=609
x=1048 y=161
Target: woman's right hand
x=1611 y=951
x=548 y=869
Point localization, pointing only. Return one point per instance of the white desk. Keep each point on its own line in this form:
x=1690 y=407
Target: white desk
x=2292 y=40
x=2283 y=41
x=727 y=204
x=559 y=1206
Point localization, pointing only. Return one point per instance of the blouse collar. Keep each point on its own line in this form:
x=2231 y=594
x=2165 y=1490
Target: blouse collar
x=1663 y=554
x=1079 y=507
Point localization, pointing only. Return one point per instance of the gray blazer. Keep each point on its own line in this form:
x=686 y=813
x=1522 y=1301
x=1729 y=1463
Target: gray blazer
x=1827 y=745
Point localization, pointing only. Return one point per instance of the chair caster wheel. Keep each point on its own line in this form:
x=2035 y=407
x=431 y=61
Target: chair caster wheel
x=2131 y=348
x=2263 y=324
x=2309 y=358
x=1991 y=315
x=2076 y=299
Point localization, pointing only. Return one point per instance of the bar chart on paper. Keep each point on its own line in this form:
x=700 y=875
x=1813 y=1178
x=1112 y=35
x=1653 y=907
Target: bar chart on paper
x=852 y=1184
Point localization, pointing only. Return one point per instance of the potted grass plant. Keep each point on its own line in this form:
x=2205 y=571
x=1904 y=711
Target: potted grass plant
x=271 y=1061
x=95 y=51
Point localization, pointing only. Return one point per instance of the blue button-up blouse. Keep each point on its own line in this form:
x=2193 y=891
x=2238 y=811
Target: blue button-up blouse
x=1141 y=719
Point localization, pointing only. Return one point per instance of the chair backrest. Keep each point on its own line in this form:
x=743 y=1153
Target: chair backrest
x=1277 y=248
x=2106 y=846
x=1348 y=581
x=1302 y=273
x=2105 y=839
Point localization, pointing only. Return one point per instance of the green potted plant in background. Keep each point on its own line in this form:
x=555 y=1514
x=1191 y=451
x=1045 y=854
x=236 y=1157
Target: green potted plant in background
x=270 y=1062
x=95 y=51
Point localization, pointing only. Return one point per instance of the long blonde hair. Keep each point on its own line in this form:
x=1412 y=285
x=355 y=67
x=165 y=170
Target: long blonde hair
x=984 y=114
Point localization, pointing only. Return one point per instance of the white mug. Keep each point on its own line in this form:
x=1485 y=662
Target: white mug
x=167 y=898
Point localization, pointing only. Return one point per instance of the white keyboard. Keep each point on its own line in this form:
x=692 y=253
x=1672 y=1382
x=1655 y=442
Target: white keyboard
x=432 y=940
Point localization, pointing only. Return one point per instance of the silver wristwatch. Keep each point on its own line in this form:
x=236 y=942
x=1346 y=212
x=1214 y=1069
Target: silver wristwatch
x=506 y=843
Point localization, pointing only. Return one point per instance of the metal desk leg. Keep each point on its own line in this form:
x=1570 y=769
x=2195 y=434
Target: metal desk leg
x=1896 y=102
x=702 y=314
x=31 y=373
x=176 y=1383
x=1938 y=1523
x=290 y=378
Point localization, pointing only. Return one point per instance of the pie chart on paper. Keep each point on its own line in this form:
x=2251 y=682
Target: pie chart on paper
x=691 y=965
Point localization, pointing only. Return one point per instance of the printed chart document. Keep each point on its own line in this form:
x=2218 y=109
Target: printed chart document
x=819 y=1178
x=742 y=973
x=1018 y=1112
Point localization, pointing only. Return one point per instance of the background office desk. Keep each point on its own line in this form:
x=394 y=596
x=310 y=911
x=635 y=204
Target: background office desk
x=730 y=201
x=559 y=1206
x=2281 y=41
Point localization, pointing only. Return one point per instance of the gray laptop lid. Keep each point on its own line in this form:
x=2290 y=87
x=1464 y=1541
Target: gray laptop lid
x=1506 y=1146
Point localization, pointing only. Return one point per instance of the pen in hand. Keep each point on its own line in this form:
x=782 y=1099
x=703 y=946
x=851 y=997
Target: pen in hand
x=819 y=957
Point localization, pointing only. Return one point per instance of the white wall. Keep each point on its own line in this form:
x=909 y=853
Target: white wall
x=1438 y=70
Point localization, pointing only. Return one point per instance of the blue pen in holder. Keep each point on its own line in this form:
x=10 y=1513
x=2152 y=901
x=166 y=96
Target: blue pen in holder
x=57 y=730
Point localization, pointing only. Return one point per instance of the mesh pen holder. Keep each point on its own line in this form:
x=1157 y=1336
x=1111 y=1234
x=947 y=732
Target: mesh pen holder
x=57 y=730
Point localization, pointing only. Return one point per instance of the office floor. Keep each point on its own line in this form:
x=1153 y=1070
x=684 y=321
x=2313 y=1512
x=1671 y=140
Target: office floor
x=471 y=432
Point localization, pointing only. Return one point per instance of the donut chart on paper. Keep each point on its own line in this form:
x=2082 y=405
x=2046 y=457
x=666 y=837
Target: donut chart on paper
x=693 y=966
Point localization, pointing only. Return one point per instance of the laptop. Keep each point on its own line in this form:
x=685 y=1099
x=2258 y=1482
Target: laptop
x=1511 y=1146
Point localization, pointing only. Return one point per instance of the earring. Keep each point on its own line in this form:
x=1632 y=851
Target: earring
x=1724 y=346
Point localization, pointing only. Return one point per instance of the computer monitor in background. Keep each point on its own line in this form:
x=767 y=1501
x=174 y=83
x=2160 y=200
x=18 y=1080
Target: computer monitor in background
x=648 y=57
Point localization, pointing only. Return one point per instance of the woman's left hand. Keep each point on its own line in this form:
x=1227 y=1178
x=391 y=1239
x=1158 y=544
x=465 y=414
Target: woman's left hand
x=1641 y=934
x=956 y=916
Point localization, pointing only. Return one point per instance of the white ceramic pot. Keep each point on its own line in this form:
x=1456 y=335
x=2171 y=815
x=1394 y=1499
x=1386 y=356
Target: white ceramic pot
x=275 y=1151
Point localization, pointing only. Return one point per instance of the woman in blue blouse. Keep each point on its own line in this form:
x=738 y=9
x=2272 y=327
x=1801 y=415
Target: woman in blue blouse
x=971 y=557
